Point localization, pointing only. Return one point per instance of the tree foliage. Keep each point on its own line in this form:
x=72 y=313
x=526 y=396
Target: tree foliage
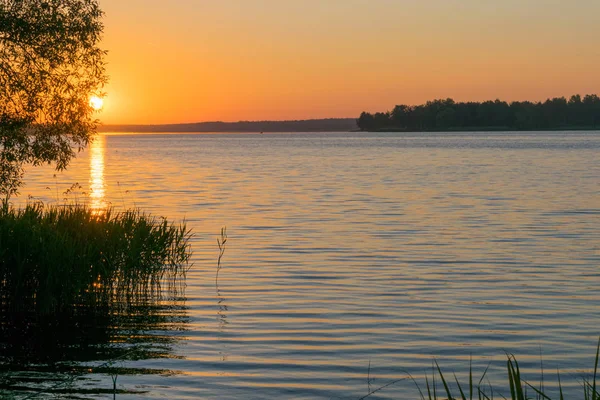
x=557 y=113
x=50 y=65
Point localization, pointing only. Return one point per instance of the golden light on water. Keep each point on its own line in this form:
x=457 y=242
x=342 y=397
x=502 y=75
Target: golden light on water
x=97 y=187
x=96 y=102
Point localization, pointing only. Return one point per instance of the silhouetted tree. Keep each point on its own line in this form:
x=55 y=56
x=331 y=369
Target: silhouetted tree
x=400 y=116
x=50 y=65
x=445 y=118
x=591 y=109
x=556 y=112
x=366 y=122
x=576 y=113
x=382 y=120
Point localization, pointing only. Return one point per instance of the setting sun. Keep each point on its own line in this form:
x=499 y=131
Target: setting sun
x=96 y=102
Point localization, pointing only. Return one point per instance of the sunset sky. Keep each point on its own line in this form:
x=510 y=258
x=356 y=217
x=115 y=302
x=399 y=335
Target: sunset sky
x=206 y=60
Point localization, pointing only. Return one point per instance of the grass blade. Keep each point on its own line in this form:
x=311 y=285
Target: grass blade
x=462 y=395
x=559 y=385
x=511 y=380
x=594 y=392
x=444 y=381
x=418 y=387
x=471 y=377
x=538 y=391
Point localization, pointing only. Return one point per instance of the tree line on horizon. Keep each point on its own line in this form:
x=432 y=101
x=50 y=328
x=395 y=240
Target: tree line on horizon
x=309 y=125
x=440 y=114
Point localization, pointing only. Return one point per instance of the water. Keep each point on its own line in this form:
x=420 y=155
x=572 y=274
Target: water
x=353 y=258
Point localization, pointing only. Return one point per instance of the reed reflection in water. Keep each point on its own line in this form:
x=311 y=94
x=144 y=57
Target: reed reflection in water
x=76 y=353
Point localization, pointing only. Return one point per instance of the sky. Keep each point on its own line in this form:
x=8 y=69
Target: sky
x=205 y=60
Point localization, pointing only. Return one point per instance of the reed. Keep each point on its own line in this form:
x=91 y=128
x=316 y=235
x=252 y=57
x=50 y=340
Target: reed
x=55 y=257
x=221 y=241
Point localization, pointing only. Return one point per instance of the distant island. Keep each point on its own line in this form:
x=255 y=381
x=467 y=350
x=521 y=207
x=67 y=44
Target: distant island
x=448 y=115
x=309 y=125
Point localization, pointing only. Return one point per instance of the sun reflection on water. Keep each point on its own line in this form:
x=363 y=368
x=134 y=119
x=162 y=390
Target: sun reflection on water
x=97 y=186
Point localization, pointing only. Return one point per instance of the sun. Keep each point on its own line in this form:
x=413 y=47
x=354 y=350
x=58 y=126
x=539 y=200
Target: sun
x=96 y=102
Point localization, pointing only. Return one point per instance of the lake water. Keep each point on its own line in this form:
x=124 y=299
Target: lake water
x=355 y=258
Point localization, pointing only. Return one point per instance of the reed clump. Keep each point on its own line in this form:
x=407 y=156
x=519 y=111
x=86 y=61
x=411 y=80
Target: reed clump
x=520 y=388
x=55 y=257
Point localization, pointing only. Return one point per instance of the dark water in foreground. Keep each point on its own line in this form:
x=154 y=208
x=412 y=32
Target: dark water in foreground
x=345 y=251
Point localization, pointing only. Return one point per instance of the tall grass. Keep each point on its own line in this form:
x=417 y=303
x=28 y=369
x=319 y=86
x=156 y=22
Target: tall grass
x=55 y=257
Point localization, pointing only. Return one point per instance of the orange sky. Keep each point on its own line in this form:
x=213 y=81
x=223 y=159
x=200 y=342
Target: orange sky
x=204 y=60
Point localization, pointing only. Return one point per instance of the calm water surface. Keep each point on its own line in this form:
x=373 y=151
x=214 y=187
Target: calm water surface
x=349 y=252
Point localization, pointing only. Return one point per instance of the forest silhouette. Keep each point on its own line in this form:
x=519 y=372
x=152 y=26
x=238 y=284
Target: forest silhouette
x=436 y=115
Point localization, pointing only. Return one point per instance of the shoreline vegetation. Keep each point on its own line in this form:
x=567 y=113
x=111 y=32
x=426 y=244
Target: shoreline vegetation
x=83 y=290
x=576 y=113
x=57 y=258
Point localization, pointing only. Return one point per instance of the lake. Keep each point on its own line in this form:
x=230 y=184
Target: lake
x=354 y=258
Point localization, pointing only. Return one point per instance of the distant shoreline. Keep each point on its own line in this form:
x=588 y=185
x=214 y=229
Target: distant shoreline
x=309 y=125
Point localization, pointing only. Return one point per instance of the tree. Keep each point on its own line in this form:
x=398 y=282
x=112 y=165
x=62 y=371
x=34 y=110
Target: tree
x=591 y=107
x=400 y=116
x=445 y=118
x=366 y=121
x=576 y=112
x=50 y=65
x=381 y=120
